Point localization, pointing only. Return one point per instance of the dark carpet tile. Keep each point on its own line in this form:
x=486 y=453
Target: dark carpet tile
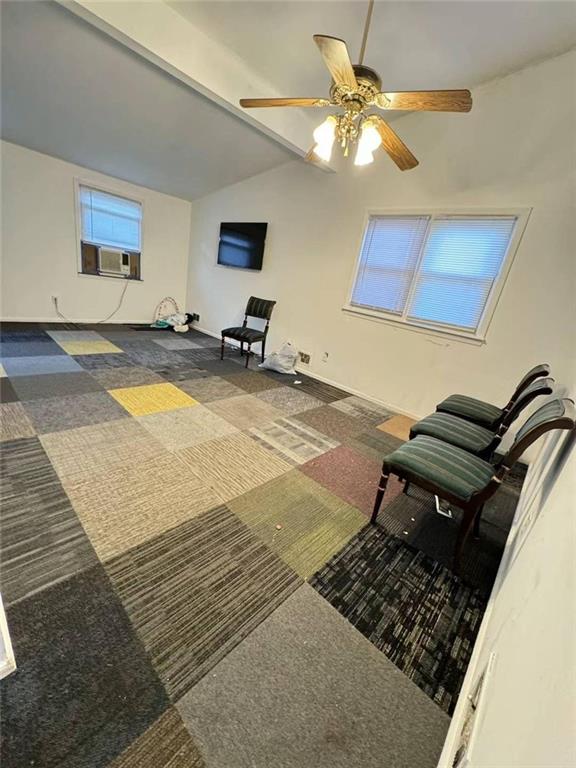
x=42 y=541
x=166 y=744
x=224 y=367
x=7 y=392
x=199 y=356
x=30 y=348
x=8 y=327
x=118 y=378
x=203 y=339
x=55 y=385
x=325 y=392
x=196 y=591
x=181 y=372
x=374 y=443
x=418 y=613
x=155 y=356
x=251 y=381
x=116 y=360
x=84 y=689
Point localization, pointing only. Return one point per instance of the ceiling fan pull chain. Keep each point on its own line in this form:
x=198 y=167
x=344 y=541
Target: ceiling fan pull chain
x=366 y=28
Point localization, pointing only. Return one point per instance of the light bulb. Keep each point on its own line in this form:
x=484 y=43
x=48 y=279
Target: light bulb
x=370 y=140
x=324 y=137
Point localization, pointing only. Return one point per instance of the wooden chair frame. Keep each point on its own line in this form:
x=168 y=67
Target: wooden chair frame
x=247 y=313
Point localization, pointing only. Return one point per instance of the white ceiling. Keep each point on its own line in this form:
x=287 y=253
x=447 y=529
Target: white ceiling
x=413 y=45
x=70 y=91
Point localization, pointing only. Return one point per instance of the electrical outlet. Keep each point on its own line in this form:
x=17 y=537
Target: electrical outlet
x=195 y=317
x=325 y=357
x=304 y=357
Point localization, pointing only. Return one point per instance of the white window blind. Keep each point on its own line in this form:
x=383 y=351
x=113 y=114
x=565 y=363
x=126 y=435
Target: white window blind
x=110 y=220
x=432 y=271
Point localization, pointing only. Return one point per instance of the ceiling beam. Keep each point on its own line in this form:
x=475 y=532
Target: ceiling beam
x=161 y=35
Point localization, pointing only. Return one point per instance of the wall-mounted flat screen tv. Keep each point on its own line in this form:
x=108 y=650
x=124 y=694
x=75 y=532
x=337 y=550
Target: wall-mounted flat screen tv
x=242 y=245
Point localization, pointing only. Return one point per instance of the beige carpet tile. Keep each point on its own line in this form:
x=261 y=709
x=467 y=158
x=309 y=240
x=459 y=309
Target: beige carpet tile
x=299 y=519
x=120 y=378
x=289 y=400
x=53 y=414
x=122 y=508
x=366 y=411
x=251 y=381
x=292 y=440
x=232 y=465
x=209 y=389
x=166 y=744
x=398 y=426
x=196 y=591
x=186 y=426
x=59 y=336
x=245 y=411
x=14 y=422
x=152 y=398
x=332 y=422
x=89 y=347
x=78 y=454
x=2 y=371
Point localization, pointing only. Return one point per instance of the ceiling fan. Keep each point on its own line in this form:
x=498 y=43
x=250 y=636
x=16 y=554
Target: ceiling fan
x=356 y=89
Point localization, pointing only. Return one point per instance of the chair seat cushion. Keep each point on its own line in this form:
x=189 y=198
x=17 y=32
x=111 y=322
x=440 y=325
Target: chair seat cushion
x=249 y=335
x=469 y=408
x=451 y=429
x=450 y=468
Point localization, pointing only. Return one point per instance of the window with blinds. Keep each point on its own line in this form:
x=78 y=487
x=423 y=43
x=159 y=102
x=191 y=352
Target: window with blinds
x=434 y=271
x=110 y=233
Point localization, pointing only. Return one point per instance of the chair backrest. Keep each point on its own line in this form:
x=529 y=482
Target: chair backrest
x=555 y=414
x=538 y=372
x=261 y=308
x=531 y=392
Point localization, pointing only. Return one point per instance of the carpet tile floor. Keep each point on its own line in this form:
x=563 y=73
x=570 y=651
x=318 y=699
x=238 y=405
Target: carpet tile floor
x=161 y=511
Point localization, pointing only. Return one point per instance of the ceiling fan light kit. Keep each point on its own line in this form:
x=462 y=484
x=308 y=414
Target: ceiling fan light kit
x=356 y=89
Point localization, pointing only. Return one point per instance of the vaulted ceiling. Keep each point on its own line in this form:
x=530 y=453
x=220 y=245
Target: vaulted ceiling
x=148 y=91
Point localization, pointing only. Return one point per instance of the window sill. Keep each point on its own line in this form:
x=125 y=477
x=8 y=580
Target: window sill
x=110 y=277
x=447 y=335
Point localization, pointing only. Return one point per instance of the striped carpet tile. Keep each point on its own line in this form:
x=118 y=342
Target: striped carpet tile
x=418 y=613
x=42 y=541
x=325 y=392
x=14 y=422
x=292 y=440
x=196 y=591
x=367 y=412
x=166 y=744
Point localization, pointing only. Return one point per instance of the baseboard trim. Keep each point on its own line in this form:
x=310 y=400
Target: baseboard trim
x=56 y=319
x=337 y=384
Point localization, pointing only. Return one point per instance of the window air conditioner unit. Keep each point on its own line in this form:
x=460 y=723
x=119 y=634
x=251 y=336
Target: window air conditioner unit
x=112 y=262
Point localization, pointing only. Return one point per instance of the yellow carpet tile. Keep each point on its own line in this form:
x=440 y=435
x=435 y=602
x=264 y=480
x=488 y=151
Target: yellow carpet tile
x=152 y=398
x=398 y=426
x=89 y=347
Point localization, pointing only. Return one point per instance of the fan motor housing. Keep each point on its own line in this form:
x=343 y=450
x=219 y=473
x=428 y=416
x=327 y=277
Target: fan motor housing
x=367 y=76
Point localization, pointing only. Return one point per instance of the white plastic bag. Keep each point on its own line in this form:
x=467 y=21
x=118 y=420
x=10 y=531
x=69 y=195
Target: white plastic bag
x=282 y=361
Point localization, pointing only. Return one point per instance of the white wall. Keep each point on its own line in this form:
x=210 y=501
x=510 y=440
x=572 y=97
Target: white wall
x=527 y=717
x=40 y=245
x=515 y=149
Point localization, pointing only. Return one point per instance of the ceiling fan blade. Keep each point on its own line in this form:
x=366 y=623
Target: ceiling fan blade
x=431 y=101
x=337 y=59
x=251 y=103
x=394 y=145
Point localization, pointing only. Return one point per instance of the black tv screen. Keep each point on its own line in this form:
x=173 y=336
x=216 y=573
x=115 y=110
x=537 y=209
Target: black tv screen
x=242 y=245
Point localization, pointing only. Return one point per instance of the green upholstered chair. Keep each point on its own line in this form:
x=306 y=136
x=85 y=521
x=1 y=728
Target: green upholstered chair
x=459 y=477
x=474 y=438
x=486 y=414
x=260 y=308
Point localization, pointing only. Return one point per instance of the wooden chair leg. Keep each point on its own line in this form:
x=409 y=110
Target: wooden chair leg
x=241 y=348
x=476 y=531
x=468 y=518
x=263 y=350
x=222 y=349
x=406 y=486
x=248 y=353
x=380 y=494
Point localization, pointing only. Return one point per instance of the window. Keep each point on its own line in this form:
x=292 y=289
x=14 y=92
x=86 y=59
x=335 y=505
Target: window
x=437 y=271
x=110 y=233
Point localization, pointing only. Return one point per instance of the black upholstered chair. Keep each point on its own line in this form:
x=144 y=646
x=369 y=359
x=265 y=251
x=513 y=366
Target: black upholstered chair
x=487 y=414
x=459 y=477
x=260 y=308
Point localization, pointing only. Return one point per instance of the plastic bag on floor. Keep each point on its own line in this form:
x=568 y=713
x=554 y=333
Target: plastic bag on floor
x=282 y=361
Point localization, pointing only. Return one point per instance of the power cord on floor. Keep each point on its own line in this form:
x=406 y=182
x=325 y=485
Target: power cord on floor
x=98 y=322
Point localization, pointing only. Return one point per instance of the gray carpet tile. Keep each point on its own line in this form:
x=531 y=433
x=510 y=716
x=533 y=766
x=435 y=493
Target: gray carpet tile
x=197 y=355
x=196 y=591
x=117 y=360
x=251 y=381
x=84 y=688
x=203 y=340
x=325 y=392
x=40 y=364
x=41 y=539
x=176 y=341
x=331 y=422
x=307 y=689
x=30 y=348
x=55 y=384
x=289 y=400
x=53 y=414
x=374 y=443
x=292 y=440
x=208 y=389
x=155 y=356
x=166 y=744
x=14 y=422
x=422 y=616
x=181 y=372
x=225 y=367
x=75 y=336
x=366 y=411
x=7 y=392
x=135 y=376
